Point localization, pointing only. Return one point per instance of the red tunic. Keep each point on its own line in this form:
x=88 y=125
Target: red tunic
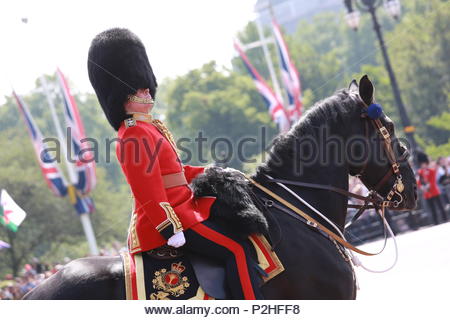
x=145 y=156
x=428 y=176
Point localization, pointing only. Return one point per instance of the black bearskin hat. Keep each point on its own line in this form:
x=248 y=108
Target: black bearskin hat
x=118 y=66
x=422 y=158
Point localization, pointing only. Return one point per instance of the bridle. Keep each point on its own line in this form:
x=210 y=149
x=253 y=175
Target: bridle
x=372 y=200
x=394 y=169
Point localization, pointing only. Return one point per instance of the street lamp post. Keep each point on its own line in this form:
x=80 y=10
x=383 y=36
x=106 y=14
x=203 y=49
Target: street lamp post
x=393 y=7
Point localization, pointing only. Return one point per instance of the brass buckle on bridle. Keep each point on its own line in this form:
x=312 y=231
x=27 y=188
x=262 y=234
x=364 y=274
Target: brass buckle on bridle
x=396 y=189
x=385 y=133
x=390 y=194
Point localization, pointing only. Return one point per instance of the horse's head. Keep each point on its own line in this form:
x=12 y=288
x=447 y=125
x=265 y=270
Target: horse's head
x=381 y=161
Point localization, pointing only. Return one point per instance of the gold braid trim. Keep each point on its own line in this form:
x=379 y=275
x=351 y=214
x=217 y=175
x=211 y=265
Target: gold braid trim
x=171 y=217
x=158 y=124
x=166 y=133
x=140 y=100
x=126 y=258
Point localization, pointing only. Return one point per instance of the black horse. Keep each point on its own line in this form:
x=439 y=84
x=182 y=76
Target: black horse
x=319 y=150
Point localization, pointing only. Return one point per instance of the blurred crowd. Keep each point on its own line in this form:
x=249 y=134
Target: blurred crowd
x=433 y=181
x=34 y=273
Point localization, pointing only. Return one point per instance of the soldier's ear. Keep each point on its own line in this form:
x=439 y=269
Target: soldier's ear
x=366 y=90
x=353 y=87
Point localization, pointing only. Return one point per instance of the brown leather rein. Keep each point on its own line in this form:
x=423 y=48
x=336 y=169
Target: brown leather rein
x=372 y=200
x=310 y=219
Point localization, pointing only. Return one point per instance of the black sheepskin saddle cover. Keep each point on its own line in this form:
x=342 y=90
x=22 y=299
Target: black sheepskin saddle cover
x=234 y=206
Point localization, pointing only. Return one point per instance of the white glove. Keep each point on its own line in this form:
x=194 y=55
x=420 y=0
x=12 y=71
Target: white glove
x=177 y=240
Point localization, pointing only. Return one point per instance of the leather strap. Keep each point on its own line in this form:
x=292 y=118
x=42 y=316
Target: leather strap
x=310 y=219
x=322 y=187
x=269 y=203
x=366 y=134
x=174 y=180
x=359 y=213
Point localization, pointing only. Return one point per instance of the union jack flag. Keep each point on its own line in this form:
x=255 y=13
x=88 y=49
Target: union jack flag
x=84 y=204
x=290 y=76
x=85 y=164
x=274 y=105
x=49 y=167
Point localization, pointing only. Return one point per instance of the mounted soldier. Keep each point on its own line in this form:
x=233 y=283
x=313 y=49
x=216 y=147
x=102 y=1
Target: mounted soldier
x=305 y=254
x=165 y=209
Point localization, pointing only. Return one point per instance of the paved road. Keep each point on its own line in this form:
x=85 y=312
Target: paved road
x=423 y=268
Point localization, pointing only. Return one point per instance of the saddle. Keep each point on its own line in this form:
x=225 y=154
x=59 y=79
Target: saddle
x=167 y=273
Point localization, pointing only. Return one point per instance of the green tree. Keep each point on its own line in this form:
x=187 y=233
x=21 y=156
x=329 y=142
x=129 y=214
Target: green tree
x=383 y=90
x=441 y=122
x=255 y=55
x=419 y=47
x=49 y=219
x=52 y=229
x=325 y=51
x=220 y=104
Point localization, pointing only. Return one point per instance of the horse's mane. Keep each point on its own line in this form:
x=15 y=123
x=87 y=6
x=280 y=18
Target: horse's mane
x=336 y=109
x=332 y=109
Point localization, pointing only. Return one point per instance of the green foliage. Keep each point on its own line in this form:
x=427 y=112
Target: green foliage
x=419 y=48
x=49 y=218
x=328 y=55
x=441 y=122
x=383 y=90
x=256 y=55
x=52 y=229
x=218 y=104
x=438 y=151
x=225 y=103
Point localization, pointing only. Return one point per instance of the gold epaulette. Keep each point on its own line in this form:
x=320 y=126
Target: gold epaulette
x=165 y=132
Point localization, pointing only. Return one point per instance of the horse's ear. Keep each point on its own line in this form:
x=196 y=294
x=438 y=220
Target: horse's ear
x=353 y=87
x=366 y=90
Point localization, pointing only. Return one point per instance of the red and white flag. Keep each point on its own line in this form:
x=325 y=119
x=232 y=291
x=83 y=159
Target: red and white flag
x=85 y=163
x=274 y=104
x=290 y=76
x=49 y=166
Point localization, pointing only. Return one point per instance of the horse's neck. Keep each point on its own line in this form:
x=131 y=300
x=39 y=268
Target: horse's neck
x=331 y=204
